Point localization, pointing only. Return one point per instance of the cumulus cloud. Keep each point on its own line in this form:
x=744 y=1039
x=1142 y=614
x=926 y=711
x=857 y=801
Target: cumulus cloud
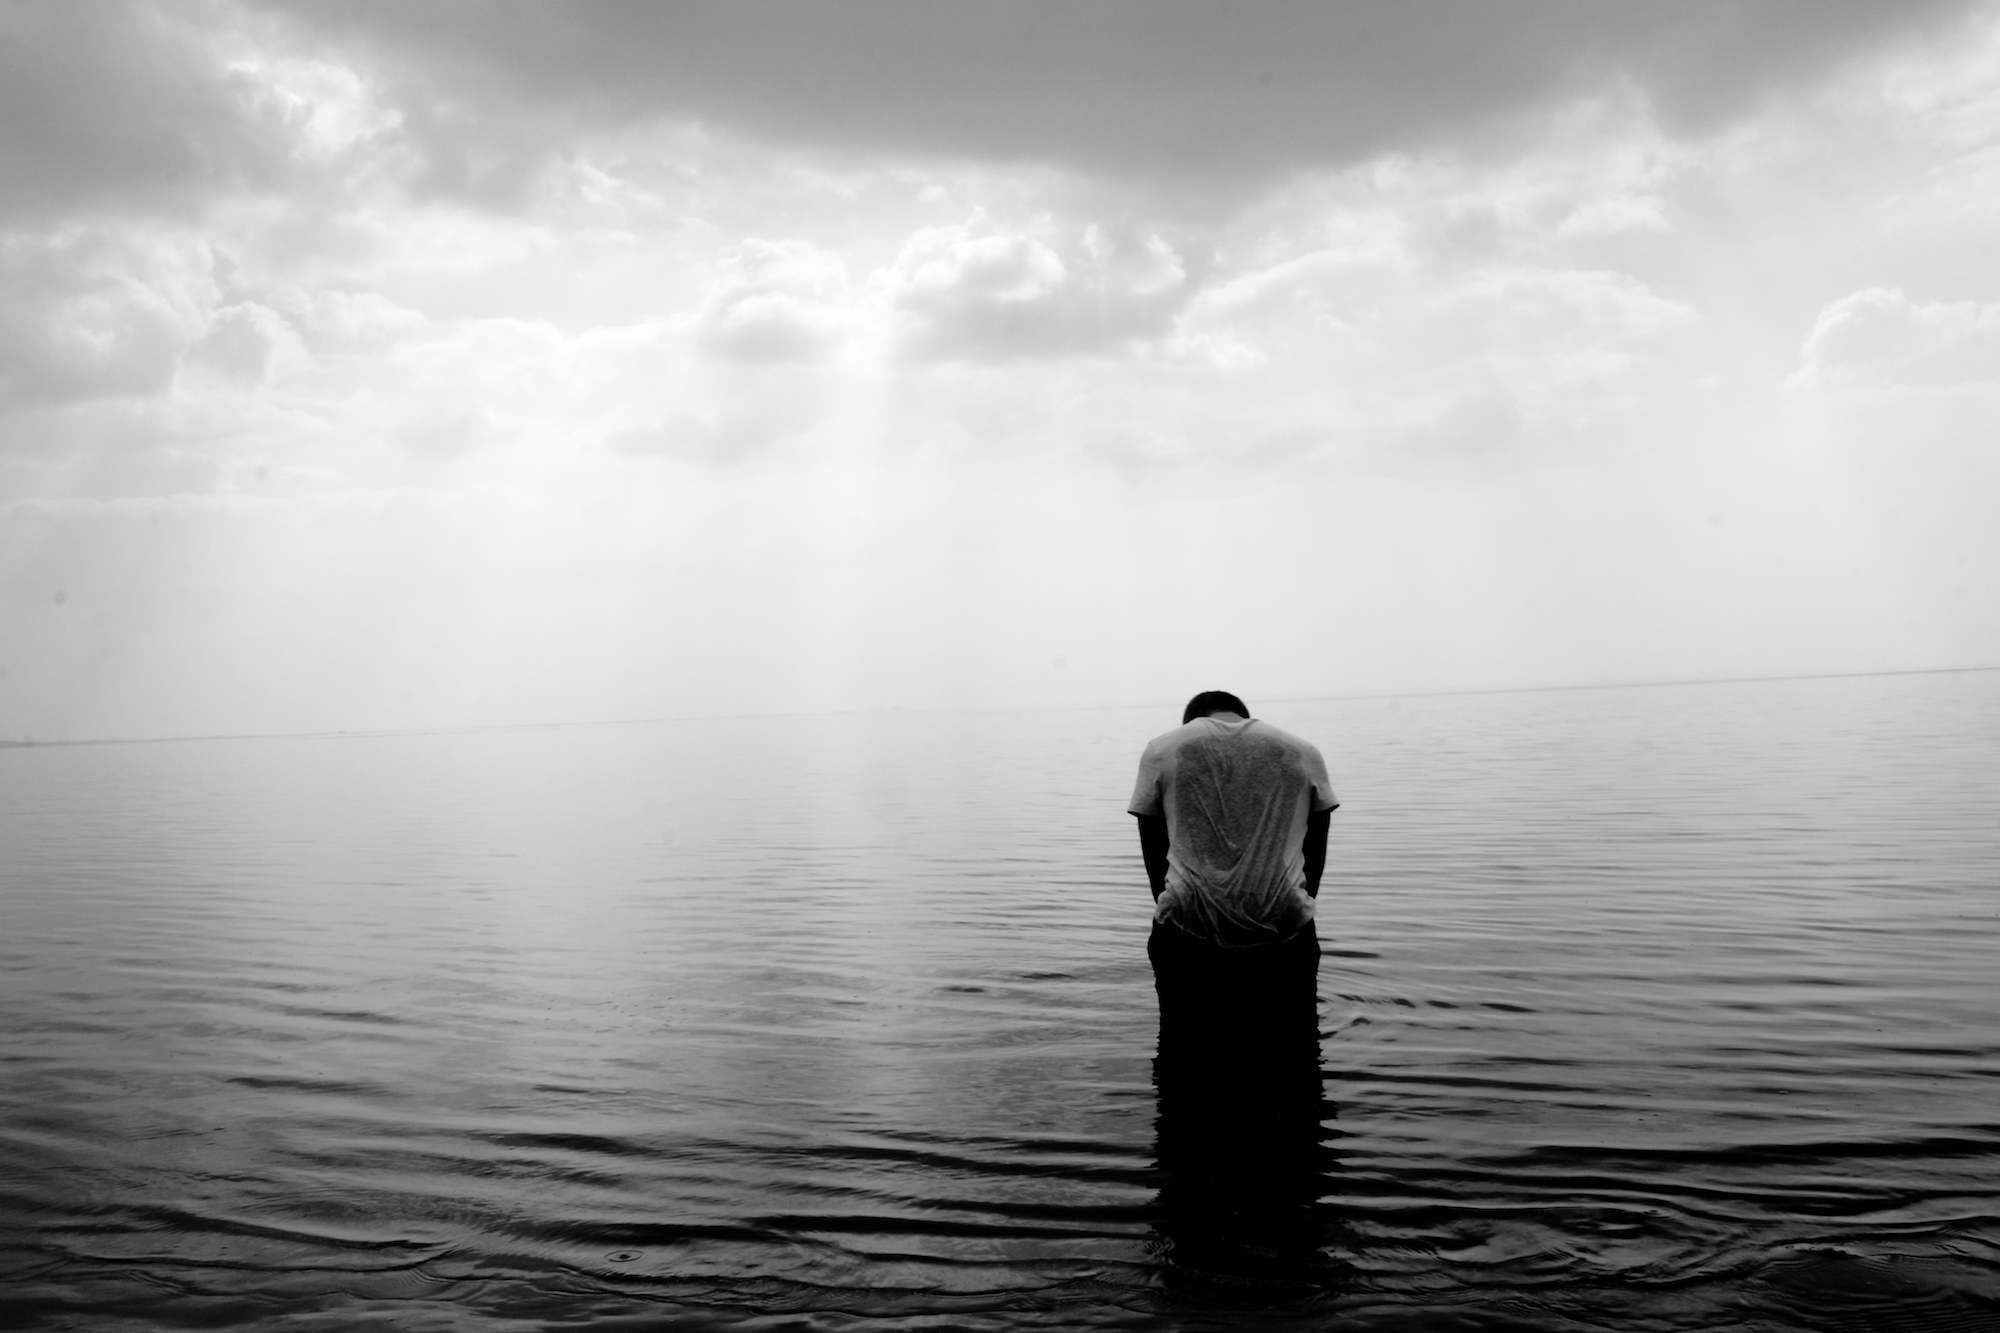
x=1380 y=320
x=88 y=314
x=1594 y=316
x=1611 y=214
x=777 y=301
x=979 y=291
x=1879 y=336
x=245 y=342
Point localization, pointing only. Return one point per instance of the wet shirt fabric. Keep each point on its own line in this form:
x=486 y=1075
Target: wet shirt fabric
x=1236 y=794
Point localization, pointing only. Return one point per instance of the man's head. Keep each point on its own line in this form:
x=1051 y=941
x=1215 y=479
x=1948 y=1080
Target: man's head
x=1214 y=701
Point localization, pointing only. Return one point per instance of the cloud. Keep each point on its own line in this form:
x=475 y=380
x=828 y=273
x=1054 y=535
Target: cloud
x=1139 y=88
x=1590 y=316
x=1378 y=339
x=132 y=106
x=978 y=291
x=1878 y=336
x=1609 y=215
x=127 y=106
x=93 y=314
x=245 y=342
x=777 y=301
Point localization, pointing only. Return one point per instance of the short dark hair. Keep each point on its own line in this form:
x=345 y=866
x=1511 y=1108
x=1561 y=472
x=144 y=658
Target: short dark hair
x=1214 y=701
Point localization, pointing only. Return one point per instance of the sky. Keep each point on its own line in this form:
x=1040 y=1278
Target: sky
x=373 y=366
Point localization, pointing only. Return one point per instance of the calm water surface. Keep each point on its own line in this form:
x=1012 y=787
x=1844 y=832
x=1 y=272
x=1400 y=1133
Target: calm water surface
x=1669 y=1009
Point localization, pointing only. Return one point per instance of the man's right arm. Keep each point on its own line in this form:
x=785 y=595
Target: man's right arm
x=1153 y=846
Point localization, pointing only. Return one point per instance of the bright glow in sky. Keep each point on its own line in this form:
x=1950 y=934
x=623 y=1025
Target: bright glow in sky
x=378 y=365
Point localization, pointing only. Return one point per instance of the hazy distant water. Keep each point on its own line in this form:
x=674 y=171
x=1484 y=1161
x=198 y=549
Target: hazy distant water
x=1665 y=1008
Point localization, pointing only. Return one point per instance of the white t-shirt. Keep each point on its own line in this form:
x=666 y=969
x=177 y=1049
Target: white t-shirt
x=1236 y=795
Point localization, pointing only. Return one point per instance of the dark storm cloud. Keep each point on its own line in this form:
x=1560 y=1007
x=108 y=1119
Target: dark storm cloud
x=127 y=105
x=1134 y=87
x=110 y=104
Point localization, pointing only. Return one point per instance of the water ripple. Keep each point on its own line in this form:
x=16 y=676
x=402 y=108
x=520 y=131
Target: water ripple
x=1656 y=1009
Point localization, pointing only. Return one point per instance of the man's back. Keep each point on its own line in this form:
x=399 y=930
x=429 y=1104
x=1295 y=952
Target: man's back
x=1235 y=796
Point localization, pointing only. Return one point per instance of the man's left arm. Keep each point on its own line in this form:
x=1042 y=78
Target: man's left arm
x=1315 y=849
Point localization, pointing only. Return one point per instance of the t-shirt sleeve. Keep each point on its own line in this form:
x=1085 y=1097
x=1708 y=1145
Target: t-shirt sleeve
x=1146 y=795
x=1323 y=797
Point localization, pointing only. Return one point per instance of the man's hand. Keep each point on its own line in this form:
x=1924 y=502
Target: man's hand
x=1153 y=846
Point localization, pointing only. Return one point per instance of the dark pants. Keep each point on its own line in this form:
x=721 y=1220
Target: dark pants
x=1244 y=1137
x=1263 y=995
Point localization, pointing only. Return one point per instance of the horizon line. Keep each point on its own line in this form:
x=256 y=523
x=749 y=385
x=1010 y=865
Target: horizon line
x=475 y=727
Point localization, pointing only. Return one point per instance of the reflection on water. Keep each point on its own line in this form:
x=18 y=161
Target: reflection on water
x=1244 y=1133
x=1663 y=1009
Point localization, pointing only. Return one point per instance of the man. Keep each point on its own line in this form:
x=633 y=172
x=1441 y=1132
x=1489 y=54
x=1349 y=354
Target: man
x=1233 y=817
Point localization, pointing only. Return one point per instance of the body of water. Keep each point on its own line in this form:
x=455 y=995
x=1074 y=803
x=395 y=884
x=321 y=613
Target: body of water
x=1666 y=1008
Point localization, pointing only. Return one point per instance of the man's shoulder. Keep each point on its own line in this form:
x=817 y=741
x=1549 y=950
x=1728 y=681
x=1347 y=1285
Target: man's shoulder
x=1253 y=732
x=1277 y=736
x=1179 y=736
